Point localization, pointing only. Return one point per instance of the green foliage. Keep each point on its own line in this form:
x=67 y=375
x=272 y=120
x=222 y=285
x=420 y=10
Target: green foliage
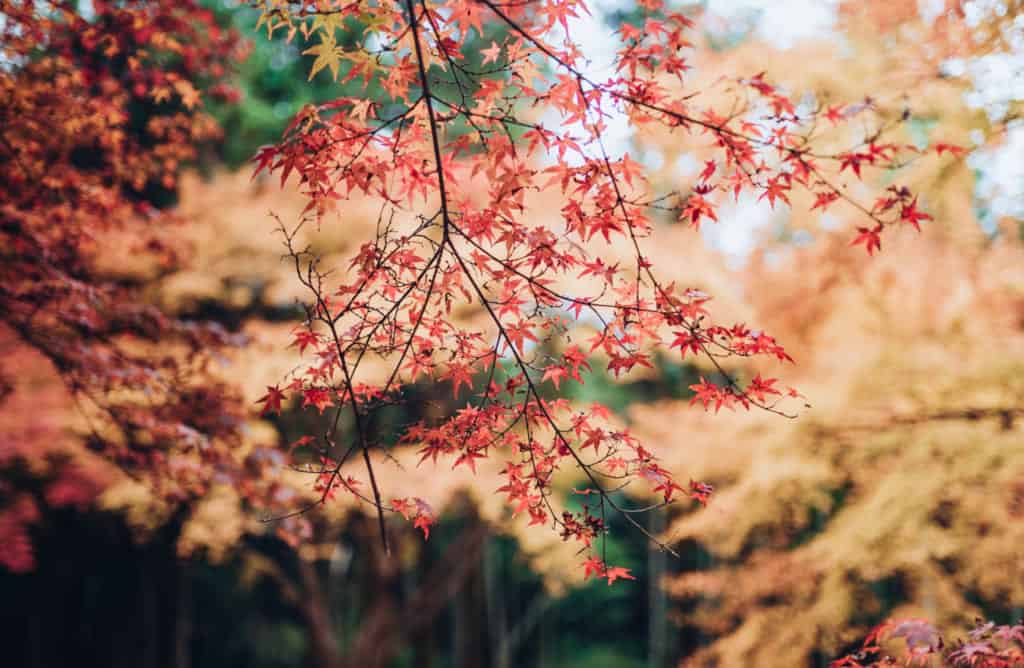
x=670 y=379
x=274 y=84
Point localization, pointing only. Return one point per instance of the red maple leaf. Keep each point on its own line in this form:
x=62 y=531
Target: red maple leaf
x=318 y=397
x=869 y=237
x=271 y=400
x=909 y=214
x=617 y=573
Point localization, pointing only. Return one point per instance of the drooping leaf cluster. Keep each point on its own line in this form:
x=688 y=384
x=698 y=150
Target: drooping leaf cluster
x=461 y=156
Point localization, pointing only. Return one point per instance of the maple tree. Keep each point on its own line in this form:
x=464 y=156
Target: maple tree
x=987 y=645
x=464 y=284
x=99 y=114
x=815 y=539
x=518 y=252
x=459 y=153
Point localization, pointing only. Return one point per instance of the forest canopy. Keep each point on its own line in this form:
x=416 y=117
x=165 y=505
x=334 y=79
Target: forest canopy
x=417 y=329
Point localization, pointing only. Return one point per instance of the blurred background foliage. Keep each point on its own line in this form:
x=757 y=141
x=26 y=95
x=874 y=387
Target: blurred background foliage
x=900 y=491
x=275 y=85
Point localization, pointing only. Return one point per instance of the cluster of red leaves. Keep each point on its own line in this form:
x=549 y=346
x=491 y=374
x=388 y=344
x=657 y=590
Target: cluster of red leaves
x=594 y=567
x=98 y=113
x=457 y=160
x=988 y=645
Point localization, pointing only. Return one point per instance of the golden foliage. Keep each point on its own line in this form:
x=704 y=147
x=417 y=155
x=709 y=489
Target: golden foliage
x=901 y=487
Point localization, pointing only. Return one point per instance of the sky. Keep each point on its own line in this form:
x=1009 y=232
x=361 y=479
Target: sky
x=998 y=80
x=788 y=22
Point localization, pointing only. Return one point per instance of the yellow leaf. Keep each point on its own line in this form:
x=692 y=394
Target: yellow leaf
x=187 y=92
x=373 y=21
x=160 y=94
x=328 y=54
x=328 y=23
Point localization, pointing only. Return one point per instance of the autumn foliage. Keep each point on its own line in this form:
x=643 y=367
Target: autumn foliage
x=98 y=117
x=466 y=283
x=462 y=283
x=468 y=246
x=987 y=645
x=515 y=252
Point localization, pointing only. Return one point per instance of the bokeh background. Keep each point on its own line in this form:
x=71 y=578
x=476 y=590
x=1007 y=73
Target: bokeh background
x=898 y=492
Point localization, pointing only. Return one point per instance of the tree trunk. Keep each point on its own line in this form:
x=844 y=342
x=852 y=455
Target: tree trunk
x=657 y=608
x=322 y=651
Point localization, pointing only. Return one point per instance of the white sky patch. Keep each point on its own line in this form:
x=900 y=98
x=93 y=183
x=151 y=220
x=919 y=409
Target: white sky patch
x=930 y=9
x=87 y=10
x=781 y=23
x=653 y=158
x=599 y=41
x=1001 y=182
x=998 y=82
x=829 y=221
x=686 y=165
x=740 y=224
